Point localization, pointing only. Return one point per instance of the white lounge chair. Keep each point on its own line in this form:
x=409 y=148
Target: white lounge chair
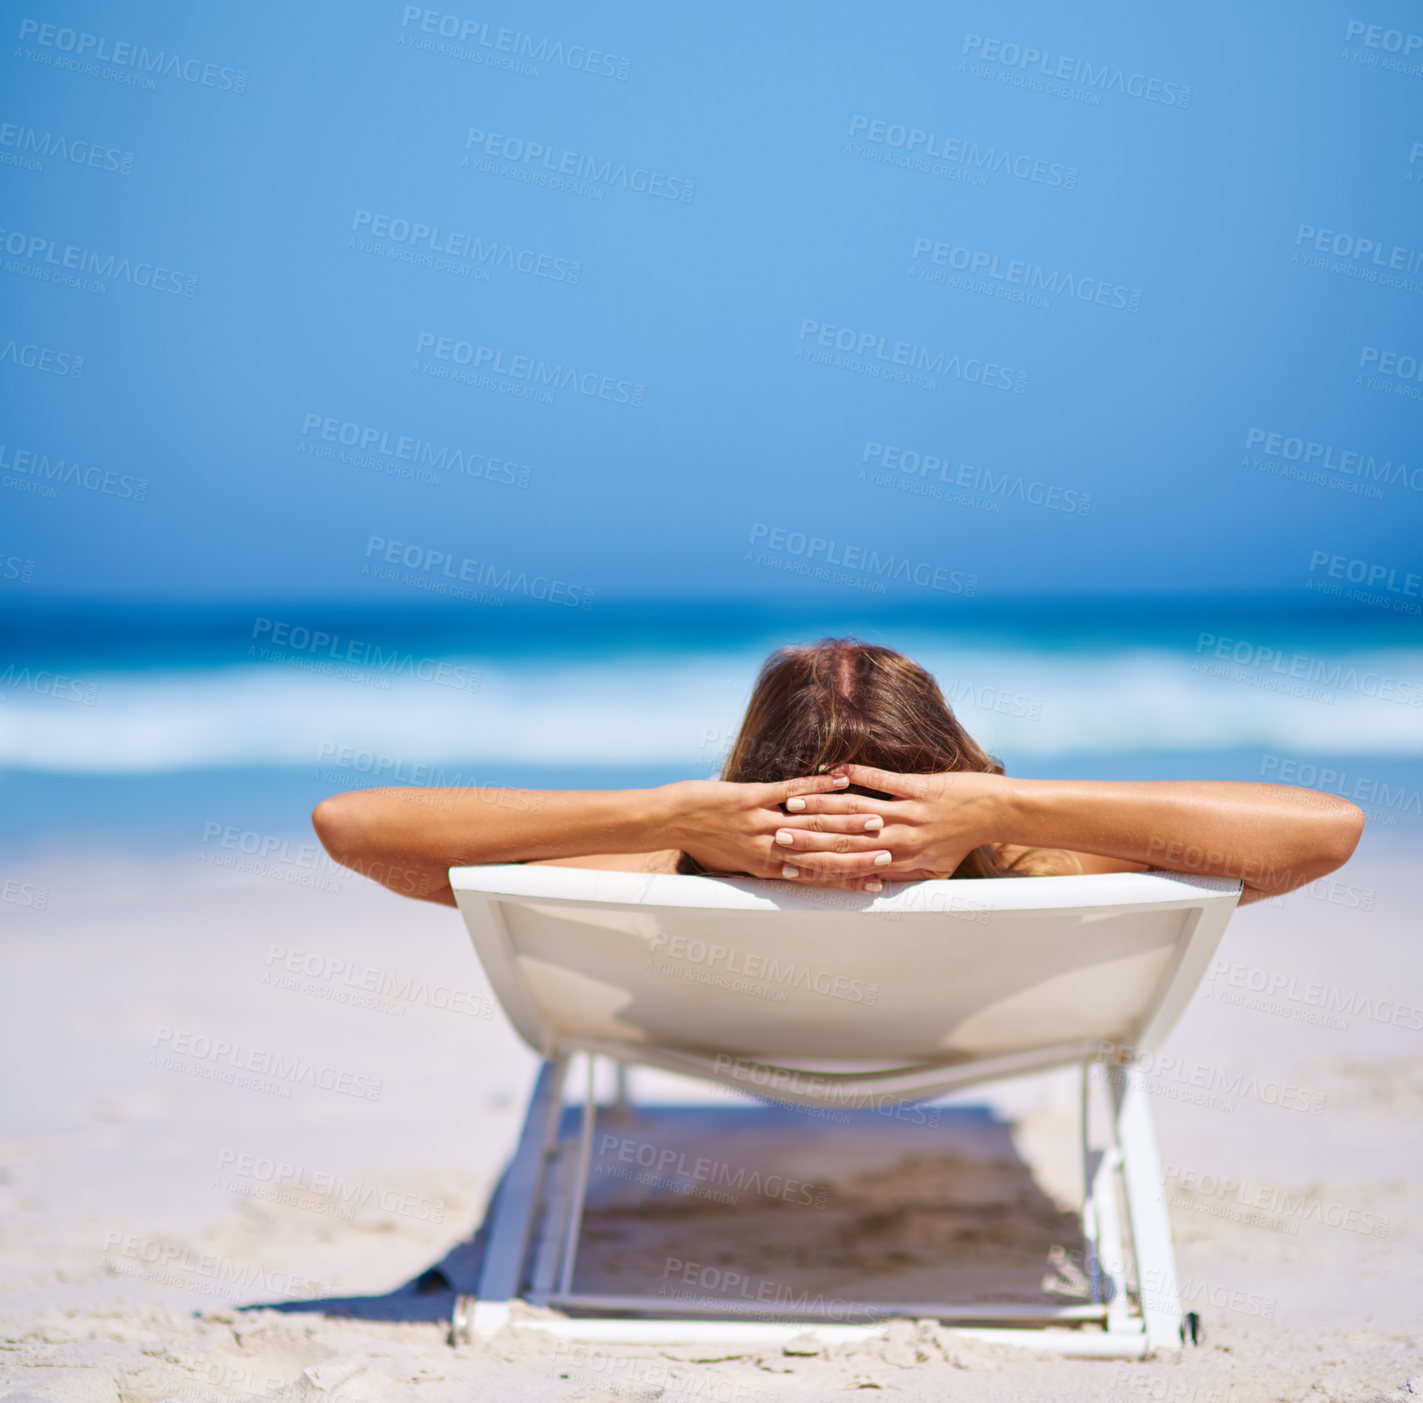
x=977 y=980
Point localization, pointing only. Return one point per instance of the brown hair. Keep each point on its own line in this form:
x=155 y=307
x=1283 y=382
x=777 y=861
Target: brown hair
x=840 y=701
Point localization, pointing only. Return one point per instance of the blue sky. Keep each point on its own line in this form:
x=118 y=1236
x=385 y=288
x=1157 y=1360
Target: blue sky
x=1133 y=442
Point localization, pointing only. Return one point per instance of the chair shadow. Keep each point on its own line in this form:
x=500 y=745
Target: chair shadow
x=428 y=1297
x=908 y=1204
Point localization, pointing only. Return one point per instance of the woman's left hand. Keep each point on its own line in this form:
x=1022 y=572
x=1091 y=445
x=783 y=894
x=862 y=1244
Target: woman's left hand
x=932 y=823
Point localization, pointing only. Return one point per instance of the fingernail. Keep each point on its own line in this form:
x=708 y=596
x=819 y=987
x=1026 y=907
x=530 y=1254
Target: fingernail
x=785 y=837
x=795 y=805
x=883 y=859
x=874 y=884
x=840 y=781
x=789 y=871
x=873 y=825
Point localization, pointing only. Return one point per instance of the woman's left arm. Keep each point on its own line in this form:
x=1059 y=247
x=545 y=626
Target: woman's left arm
x=1273 y=838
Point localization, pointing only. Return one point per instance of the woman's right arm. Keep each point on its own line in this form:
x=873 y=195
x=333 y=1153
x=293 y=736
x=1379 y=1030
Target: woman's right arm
x=408 y=839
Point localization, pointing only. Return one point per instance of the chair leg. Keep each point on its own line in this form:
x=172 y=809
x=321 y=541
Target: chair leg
x=501 y=1275
x=558 y=1198
x=580 y=1185
x=1101 y=1221
x=1091 y=1232
x=1146 y=1207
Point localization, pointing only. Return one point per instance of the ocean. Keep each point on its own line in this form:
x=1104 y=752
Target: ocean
x=134 y=728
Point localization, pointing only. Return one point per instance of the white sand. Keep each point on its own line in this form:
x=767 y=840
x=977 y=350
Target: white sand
x=139 y=1209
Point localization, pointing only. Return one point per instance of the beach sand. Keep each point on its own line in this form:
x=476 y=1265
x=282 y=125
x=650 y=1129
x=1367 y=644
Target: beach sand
x=288 y=1088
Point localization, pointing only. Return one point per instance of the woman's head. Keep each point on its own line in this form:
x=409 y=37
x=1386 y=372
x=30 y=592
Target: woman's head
x=839 y=701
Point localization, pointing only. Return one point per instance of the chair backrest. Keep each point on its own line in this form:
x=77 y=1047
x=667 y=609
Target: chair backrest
x=943 y=972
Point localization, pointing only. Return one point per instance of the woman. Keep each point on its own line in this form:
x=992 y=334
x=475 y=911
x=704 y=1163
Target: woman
x=851 y=770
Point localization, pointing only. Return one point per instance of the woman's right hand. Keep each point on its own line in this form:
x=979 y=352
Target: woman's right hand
x=730 y=828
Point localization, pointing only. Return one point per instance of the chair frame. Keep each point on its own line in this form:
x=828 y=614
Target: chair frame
x=534 y=1224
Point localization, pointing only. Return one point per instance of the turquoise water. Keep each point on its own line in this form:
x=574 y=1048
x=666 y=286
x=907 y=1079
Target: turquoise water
x=141 y=728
